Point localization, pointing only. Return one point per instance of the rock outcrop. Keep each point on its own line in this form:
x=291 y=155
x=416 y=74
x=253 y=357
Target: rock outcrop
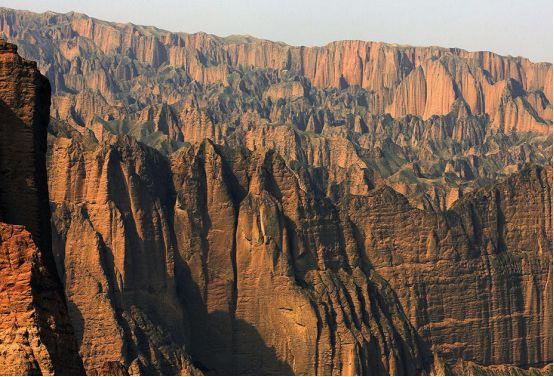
x=275 y=276
x=116 y=253
x=111 y=59
x=451 y=111
x=36 y=336
x=358 y=208
x=475 y=281
x=267 y=258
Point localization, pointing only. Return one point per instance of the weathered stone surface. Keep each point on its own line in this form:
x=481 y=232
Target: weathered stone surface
x=313 y=233
x=36 y=336
x=468 y=368
x=268 y=279
x=277 y=277
x=475 y=281
x=111 y=60
x=115 y=249
x=24 y=116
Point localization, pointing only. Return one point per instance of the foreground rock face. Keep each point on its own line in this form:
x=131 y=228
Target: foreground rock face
x=267 y=258
x=475 y=281
x=24 y=114
x=36 y=336
x=276 y=277
x=115 y=248
x=226 y=249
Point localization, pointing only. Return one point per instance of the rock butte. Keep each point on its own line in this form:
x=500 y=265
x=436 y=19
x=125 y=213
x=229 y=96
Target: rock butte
x=358 y=208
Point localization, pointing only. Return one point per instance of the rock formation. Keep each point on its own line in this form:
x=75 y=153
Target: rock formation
x=402 y=80
x=115 y=202
x=500 y=277
x=450 y=108
x=277 y=277
x=357 y=208
x=36 y=336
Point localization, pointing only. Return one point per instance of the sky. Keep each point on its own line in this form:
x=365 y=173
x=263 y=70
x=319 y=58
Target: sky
x=518 y=28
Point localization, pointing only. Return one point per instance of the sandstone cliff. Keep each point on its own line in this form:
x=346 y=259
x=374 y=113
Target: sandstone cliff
x=36 y=336
x=275 y=276
x=402 y=80
x=458 y=119
x=475 y=276
x=359 y=208
x=115 y=249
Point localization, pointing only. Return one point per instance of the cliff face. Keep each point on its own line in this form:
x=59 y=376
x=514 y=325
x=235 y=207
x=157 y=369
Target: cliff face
x=209 y=269
x=433 y=123
x=274 y=276
x=115 y=204
x=360 y=208
x=422 y=81
x=35 y=331
x=474 y=277
x=439 y=267
x=25 y=105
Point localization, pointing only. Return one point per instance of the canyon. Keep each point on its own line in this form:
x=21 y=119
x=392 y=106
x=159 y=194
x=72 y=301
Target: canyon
x=190 y=204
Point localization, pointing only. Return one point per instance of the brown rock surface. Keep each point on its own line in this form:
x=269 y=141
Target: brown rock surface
x=274 y=277
x=269 y=284
x=279 y=246
x=476 y=278
x=36 y=336
x=111 y=60
x=24 y=115
x=114 y=245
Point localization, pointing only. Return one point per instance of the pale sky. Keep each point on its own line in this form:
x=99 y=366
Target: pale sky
x=506 y=27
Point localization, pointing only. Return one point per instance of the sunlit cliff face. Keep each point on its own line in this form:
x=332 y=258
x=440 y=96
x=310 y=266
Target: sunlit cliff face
x=239 y=206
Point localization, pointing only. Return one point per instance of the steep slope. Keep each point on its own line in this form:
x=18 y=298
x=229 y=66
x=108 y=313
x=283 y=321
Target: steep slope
x=273 y=276
x=285 y=244
x=134 y=274
x=458 y=120
x=476 y=280
x=36 y=336
x=128 y=52
x=277 y=277
x=115 y=249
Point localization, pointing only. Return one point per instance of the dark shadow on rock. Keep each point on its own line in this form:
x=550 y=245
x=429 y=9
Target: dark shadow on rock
x=250 y=355
x=220 y=344
x=77 y=321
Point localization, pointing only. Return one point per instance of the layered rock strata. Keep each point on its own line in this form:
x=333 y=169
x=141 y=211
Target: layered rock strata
x=434 y=123
x=277 y=277
x=360 y=208
x=421 y=81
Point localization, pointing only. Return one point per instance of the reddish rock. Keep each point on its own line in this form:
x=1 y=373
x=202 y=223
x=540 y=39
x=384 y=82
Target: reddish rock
x=36 y=336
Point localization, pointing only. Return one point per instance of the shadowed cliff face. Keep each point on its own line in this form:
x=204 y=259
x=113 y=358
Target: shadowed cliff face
x=36 y=336
x=475 y=276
